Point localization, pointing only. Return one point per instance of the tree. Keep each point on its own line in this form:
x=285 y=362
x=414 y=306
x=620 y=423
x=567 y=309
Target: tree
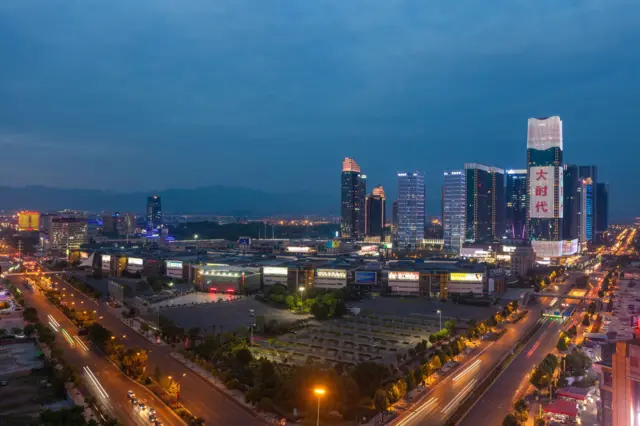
x=521 y=411
x=369 y=377
x=510 y=420
x=410 y=380
x=144 y=327
x=66 y=416
x=16 y=331
x=30 y=315
x=29 y=329
x=450 y=325
x=585 y=320
x=381 y=401
x=562 y=344
x=3 y=333
x=601 y=294
x=435 y=363
x=591 y=309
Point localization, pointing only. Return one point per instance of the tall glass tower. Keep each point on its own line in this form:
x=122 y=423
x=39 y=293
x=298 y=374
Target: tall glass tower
x=411 y=208
x=154 y=212
x=352 y=209
x=454 y=210
x=484 y=203
x=375 y=207
x=516 y=205
x=545 y=185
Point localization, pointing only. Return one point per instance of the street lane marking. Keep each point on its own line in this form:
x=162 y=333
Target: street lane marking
x=427 y=406
x=80 y=343
x=95 y=381
x=467 y=370
x=465 y=390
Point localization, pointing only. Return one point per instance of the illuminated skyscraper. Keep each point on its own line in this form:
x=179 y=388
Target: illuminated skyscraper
x=454 y=210
x=545 y=182
x=484 y=203
x=375 y=212
x=411 y=217
x=154 y=212
x=516 y=204
x=585 y=212
x=352 y=209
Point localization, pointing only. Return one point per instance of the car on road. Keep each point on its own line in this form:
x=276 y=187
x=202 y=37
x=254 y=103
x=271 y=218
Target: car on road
x=134 y=401
x=152 y=411
x=141 y=405
x=153 y=419
x=130 y=394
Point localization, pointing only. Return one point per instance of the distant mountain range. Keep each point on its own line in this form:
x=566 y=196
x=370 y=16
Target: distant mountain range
x=219 y=200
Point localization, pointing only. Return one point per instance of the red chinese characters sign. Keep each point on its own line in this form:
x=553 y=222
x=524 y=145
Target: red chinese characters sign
x=541 y=191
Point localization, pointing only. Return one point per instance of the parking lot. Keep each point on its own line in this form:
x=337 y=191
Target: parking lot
x=24 y=395
x=351 y=340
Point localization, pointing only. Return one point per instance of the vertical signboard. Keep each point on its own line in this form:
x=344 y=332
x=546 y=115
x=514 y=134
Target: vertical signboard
x=541 y=192
x=560 y=192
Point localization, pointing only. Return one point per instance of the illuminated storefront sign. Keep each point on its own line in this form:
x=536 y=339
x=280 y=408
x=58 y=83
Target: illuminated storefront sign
x=298 y=249
x=462 y=276
x=174 y=268
x=541 y=192
x=135 y=261
x=332 y=274
x=275 y=271
x=508 y=249
x=223 y=274
x=404 y=276
x=365 y=277
x=106 y=262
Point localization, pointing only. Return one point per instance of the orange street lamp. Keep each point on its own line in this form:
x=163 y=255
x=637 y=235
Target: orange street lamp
x=319 y=393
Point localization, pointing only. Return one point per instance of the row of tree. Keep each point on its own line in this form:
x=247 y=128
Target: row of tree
x=322 y=304
x=132 y=361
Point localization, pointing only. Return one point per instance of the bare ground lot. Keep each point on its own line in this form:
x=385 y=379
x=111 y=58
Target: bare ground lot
x=226 y=316
x=425 y=308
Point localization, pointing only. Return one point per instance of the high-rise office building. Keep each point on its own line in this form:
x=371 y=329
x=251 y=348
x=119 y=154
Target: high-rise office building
x=592 y=173
x=411 y=208
x=571 y=181
x=585 y=212
x=602 y=207
x=352 y=209
x=545 y=182
x=154 y=212
x=68 y=233
x=516 y=204
x=374 y=217
x=484 y=203
x=118 y=224
x=454 y=210
x=394 y=219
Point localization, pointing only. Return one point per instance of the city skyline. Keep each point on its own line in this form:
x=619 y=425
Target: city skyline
x=356 y=95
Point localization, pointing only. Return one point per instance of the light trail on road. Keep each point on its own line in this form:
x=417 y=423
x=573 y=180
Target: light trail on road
x=68 y=337
x=465 y=390
x=95 y=381
x=467 y=370
x=425 y=408
x=80 y=343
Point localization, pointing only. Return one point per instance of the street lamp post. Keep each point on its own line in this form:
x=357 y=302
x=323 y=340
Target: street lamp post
x=178 y=385
x=440 y=314
x=319 y=393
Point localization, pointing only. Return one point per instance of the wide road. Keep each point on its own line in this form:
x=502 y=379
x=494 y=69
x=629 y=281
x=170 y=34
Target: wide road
x=197 y=395
x=112 y=396
x=442 y=401
x=498 y=401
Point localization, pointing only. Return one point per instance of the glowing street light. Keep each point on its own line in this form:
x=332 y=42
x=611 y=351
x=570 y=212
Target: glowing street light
x=439 y=312
x=319 y=393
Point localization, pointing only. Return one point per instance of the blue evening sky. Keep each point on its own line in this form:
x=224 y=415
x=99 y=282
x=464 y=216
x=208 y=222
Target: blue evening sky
x=143 y=94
